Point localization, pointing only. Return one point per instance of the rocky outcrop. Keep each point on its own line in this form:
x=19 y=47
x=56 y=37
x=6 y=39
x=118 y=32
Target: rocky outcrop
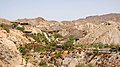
x=17 y=37
x=9 y=55
x=106 y=34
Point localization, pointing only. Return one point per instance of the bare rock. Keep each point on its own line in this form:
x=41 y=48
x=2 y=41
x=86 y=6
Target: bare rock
x=9 y=55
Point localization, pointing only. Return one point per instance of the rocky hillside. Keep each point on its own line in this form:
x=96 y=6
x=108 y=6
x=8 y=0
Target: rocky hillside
x=93 y=41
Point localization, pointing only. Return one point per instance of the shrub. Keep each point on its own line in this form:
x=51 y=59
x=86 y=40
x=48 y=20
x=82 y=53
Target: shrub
x=53 y=43
x=34 y=36
x=86 y=65
x=26 y=59
x=69 y=43
x=44 y=48
x=115 y=48
x=50 y=66
x=52 y=48
x=42 y=63
x=39 y=49
x=6 y=27
x=52 y=59
x=59 y=54
x=38 y=37
x=25 y=48
x=21 y=28
x=91 y=65
x=82 y=45
x=22 y=50
x=81 y=65
x=100 y=45
x=14 y=25
x=106 y=46
x=28 y=46
x=57 y=36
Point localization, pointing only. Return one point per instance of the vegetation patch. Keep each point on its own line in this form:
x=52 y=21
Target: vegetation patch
x=69 y=43
x=86 y=65
x=20 y=28
x=6 y=27
x=97 y=46
x=43 y=63
x=38 y=37
x=27 y=31
x=58 y=36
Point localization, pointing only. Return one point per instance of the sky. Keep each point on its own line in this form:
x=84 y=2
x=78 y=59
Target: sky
x=56 y=9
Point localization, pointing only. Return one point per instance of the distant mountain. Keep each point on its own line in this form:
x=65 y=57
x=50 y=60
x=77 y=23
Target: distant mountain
x=102 y=18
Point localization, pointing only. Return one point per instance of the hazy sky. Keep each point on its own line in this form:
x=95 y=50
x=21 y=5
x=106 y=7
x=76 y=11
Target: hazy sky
x=56 y=9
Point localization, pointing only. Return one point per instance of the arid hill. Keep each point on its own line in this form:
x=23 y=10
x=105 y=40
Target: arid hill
x=36 y=42
x=103 y=28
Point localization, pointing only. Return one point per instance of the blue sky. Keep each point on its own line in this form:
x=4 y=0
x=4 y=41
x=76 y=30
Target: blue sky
x=56 y=9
